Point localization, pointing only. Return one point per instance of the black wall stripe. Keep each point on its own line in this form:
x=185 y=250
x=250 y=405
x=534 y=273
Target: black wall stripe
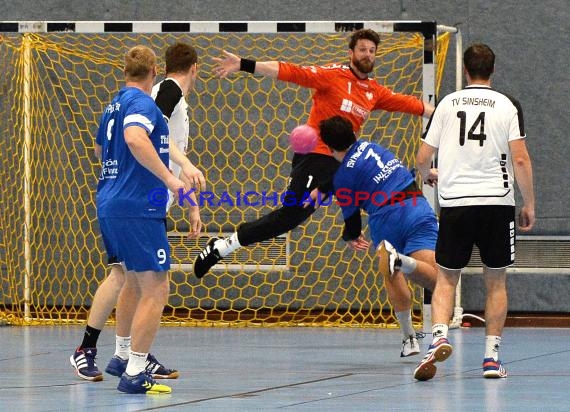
x=291 y=27
x=427 y=28
x=174 y=27
x=119 y=27
x=233 y=27
x=429 y=31
x=60 y=26
x=9 y=27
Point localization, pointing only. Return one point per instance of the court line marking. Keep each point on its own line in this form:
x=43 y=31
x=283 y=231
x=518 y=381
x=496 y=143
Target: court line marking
x=245 y=393
x=414 y=382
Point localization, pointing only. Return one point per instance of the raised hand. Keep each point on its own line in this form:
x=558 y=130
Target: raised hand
x=226 y=65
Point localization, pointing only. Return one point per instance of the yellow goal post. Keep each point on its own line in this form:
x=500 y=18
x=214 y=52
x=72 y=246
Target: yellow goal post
x=57 y=78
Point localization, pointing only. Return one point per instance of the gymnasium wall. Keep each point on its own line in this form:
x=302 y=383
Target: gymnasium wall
x=530 y=41
x=529 y=38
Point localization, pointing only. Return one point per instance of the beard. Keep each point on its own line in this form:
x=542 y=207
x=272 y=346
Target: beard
x=364 y=65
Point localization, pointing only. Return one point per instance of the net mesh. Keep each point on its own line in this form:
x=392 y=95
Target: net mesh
x=52 y=94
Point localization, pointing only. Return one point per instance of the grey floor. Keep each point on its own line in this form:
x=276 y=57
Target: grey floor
x=296 y=369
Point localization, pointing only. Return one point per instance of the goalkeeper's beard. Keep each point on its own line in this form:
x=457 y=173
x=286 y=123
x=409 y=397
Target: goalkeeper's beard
x=364 y=66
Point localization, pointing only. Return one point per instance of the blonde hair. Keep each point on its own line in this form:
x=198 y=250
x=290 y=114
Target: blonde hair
x=140 y=61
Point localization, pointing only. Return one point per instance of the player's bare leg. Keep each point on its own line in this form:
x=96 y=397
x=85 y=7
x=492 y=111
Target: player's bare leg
x=83 y=359
x=106 y=297
x=400 y=297
x=397 y=268
x=126 y=306
x=153 y=289
x=495 y=316
x=441 y=308
x=425 y=273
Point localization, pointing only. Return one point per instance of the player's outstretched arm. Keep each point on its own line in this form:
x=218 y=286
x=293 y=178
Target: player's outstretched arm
x=224 y=66
x=428 y=109
x=231 y=63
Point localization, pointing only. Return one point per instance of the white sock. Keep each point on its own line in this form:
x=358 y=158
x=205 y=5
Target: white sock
x=405 y=319
x=137 y=363
x=408 y=263
x=492 y=344
x=439 y=330
x=227 y=245
x=122 y=346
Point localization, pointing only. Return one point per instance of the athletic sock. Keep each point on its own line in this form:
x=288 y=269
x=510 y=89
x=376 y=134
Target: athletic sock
x=405 y=319
x=408 y=264
x=90 y=337
x=122 y=346
x=227 y=245
x=492 y=344
x=439 y=330
x=137 y=363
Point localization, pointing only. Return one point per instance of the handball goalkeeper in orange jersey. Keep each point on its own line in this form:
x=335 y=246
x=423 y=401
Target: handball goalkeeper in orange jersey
x=339 y=89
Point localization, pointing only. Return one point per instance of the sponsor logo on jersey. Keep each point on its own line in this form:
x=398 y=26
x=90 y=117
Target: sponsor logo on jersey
x=349 y=106
x=109 y=169
x=113 y=107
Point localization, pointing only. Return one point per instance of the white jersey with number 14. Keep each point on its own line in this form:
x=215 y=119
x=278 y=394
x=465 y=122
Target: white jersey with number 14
x=471 y=129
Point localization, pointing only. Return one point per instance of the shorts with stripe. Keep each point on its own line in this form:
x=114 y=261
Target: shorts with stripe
x=490 y=228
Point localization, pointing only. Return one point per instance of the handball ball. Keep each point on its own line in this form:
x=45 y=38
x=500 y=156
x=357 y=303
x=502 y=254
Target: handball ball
x=303 y=139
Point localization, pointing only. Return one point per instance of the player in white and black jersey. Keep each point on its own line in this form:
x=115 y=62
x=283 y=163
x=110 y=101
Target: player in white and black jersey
x=478 y=134
x=181 y=68
x=170 y=97
x=472 y=132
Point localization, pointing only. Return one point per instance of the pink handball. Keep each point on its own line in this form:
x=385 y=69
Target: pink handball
x=303 y=139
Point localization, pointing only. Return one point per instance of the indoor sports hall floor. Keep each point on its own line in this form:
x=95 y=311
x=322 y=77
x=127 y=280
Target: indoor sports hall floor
x=290 y=369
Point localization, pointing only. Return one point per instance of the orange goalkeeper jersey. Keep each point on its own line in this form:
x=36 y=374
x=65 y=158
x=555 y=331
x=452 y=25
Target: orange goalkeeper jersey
x=337 y=91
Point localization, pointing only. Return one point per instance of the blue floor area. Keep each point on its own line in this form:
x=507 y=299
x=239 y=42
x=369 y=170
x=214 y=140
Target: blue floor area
x=293 y=369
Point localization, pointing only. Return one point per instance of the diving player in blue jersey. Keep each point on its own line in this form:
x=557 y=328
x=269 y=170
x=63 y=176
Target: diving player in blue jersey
x=403 y=226
x=133 y=145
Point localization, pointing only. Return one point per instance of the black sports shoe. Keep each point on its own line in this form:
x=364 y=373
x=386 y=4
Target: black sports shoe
x=207 y=258
x=83 y=360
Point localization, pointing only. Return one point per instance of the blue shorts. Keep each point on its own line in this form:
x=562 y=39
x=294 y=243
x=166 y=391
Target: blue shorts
x=141 y=244
x=409 y=227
